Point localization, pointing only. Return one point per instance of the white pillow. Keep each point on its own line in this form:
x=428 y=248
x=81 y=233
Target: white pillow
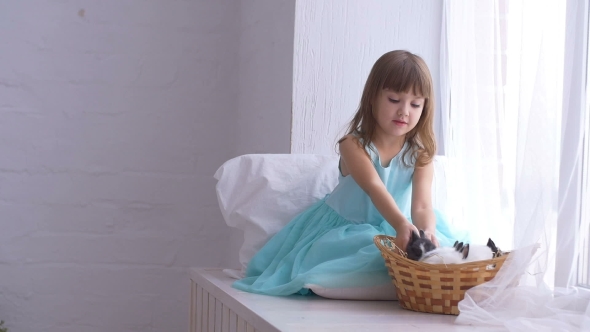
x=260 y=193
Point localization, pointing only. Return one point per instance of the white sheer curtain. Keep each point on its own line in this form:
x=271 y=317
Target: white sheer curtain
x=516 y=163
x=479 y=138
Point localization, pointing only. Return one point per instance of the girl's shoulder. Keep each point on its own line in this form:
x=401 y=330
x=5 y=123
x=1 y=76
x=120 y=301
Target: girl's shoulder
x=350 y=137
x=353 y=142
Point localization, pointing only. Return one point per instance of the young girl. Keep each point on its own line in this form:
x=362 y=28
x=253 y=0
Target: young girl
x=386 y=171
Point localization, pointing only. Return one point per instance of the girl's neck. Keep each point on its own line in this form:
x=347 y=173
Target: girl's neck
x=388 y=148
x=389 y=143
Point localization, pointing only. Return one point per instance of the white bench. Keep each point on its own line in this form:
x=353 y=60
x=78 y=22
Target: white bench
x=216 y=306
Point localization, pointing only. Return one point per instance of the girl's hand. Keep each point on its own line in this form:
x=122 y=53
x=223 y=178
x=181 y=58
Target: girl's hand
x=404 y=234
x=431 y=235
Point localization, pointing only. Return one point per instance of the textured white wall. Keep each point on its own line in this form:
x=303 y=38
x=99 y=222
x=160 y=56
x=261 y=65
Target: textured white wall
x=336 y=43
x=115 y=115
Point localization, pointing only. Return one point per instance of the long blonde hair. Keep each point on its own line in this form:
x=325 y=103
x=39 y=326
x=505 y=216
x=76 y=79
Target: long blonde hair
x=399 y=71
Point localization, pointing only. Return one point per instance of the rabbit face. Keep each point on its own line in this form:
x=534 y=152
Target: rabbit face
x=418 y=246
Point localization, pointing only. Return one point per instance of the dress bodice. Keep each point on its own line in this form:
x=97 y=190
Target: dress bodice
x=350 y=201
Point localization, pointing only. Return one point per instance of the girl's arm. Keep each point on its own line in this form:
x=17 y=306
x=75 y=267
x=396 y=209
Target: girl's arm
x=361 y=168
x=422 y=211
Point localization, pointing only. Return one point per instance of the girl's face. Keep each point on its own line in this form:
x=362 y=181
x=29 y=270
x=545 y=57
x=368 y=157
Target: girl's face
x=396 y=113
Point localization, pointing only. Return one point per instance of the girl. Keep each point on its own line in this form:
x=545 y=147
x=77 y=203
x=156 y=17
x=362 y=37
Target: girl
x=386 y=172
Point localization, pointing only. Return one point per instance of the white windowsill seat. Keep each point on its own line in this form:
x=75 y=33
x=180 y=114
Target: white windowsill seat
x=216 y=306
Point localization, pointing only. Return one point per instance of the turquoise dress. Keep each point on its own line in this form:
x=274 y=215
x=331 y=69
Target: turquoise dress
x=331 y=243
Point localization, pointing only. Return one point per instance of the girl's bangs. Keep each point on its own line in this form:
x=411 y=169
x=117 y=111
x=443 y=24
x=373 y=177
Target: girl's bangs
x=407 y=78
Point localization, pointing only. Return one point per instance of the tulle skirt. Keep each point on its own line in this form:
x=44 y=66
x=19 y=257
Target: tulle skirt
x=320 y=247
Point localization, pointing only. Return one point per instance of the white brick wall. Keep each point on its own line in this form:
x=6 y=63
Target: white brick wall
x=114 y=115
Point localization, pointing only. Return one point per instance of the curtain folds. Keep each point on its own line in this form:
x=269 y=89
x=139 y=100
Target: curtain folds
x=514 y=138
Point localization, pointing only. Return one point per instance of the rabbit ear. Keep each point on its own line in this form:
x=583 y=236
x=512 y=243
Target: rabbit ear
x=459 y=246
x=492 y=246
x=414 y=237
x=422 y=235
x=465 y=251
x=497 y=252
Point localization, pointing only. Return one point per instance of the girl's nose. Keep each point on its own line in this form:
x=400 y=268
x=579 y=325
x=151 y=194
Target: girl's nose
x=404 y=109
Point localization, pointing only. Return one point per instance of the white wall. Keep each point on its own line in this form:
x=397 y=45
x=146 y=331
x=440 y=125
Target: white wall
x=336 y=43
x=265 y=76
x=115 y=115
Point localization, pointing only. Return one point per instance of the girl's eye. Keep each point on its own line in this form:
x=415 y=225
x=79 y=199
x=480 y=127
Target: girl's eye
x=393 y=101
x=415 y=106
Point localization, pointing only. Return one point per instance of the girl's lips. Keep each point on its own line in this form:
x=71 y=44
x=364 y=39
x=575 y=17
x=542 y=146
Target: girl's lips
x=399 y=123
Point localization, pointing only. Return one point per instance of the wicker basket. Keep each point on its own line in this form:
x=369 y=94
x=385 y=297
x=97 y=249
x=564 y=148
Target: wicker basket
x=433 y=288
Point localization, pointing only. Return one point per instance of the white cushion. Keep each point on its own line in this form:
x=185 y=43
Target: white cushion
x=260 y=193
x=377 y=293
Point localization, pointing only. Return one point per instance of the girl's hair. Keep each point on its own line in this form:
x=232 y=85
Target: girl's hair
x=399 y=71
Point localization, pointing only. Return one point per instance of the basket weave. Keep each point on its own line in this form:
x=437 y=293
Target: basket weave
x=433 y=288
